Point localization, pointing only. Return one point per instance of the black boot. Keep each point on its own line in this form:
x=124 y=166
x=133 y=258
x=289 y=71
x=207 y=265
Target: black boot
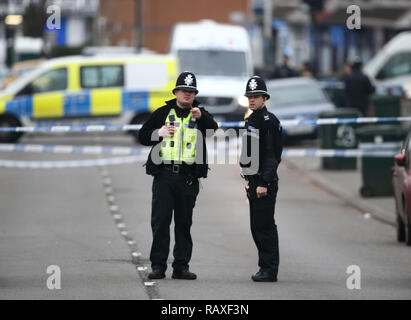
x=264 y=276
x=183 y=274
x=157 y=274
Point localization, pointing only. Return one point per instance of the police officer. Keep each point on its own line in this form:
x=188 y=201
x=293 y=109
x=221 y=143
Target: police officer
x=177 y=160
x=260 y=157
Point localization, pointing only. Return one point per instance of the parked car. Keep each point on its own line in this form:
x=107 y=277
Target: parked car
x=401 y=180
x=297 y=98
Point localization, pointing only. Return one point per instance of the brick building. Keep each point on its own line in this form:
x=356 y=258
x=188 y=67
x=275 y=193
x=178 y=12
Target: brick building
x=118 y=21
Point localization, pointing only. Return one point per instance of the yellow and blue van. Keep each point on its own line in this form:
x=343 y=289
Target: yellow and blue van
x=117 y=90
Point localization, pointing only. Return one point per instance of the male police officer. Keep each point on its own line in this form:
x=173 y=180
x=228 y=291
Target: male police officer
x=263 y=133
x=178 y=158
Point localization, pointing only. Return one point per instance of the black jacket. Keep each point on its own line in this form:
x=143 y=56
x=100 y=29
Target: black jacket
x=358 y=88
x=269 y=139
x=148 y=135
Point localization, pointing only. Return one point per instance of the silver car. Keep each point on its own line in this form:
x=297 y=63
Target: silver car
x=297 y=98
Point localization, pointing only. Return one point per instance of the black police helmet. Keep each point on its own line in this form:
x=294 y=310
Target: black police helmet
x=256 y=87
x=186 y=81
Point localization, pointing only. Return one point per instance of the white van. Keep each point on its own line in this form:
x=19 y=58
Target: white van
x=391 y=66
x=220 y=57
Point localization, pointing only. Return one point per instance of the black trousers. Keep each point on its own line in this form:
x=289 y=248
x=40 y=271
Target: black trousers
x=263 y=227
x=172 y=192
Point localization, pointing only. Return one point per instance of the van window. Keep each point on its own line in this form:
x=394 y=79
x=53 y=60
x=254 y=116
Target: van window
x=397 y=65
x=213 y=62
x=101 y=76
x=53 y=80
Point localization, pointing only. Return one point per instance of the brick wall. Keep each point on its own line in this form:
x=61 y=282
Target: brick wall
x=159 y=17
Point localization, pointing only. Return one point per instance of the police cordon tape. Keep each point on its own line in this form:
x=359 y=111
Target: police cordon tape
x=69 y=164
x=140 y=154
x=97 y=150
x=238 y=124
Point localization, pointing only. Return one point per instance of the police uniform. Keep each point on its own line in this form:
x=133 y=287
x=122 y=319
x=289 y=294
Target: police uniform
x=259 y=167
x=176 y=163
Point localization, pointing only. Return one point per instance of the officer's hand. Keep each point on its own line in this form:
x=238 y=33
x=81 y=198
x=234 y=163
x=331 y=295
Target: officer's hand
x=195 y=113
x=261 y=192
x=166 y=131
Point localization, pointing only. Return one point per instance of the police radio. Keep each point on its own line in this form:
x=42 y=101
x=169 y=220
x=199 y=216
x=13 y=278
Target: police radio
x=192 y=123
x=172 y=119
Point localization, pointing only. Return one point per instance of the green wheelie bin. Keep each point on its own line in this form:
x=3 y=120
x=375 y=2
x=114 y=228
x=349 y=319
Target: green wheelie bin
x=386 y=106
x=339 y=136
x=376 y=171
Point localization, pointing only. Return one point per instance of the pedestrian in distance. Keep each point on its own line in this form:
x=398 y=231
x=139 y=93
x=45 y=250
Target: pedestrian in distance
x=260 y=157
x=306 y=70
x=177 y=160
x=358 y=88
x=284 y=70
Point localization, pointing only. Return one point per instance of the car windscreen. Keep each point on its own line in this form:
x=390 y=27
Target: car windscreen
x=295 y=95
x=213 y=62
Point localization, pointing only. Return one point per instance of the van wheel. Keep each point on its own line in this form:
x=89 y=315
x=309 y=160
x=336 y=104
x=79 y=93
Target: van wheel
x=11 y=122
x=138 y=119
x=400 y=226
x=407 y=226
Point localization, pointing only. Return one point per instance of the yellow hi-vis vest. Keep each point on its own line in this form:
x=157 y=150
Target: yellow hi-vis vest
x=181 y=146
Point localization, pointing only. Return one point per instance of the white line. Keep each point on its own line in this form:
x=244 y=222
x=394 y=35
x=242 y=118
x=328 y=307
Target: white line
x=149 y=284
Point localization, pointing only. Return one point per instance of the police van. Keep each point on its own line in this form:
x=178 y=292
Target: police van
x=80 y=90
x=220 y=57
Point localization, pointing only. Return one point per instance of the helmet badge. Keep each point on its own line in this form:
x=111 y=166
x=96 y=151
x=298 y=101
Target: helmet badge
x=253 y=84
x=188 y=79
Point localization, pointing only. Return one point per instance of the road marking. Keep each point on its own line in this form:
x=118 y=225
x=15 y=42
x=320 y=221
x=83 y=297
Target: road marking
x=149 y=284
x=151 y=287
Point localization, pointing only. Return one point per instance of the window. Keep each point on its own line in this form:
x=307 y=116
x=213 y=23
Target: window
x=53 y=80
x=101 y=76
x=398 y=65
x=214 y=62
x=295 y=96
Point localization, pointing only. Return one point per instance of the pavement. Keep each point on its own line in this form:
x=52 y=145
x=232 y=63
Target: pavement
x=345 y=184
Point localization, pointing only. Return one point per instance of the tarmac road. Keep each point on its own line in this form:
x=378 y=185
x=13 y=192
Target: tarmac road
x=94 y=224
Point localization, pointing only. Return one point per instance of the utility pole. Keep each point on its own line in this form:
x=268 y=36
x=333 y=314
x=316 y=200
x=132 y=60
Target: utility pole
x=268 y=17
x=139 y=25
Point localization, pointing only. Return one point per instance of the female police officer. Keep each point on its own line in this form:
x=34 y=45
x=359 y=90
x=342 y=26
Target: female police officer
x=178 y=158
x=260 y=157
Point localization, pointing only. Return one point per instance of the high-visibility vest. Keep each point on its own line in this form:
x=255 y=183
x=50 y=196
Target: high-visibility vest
x=181 y=146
